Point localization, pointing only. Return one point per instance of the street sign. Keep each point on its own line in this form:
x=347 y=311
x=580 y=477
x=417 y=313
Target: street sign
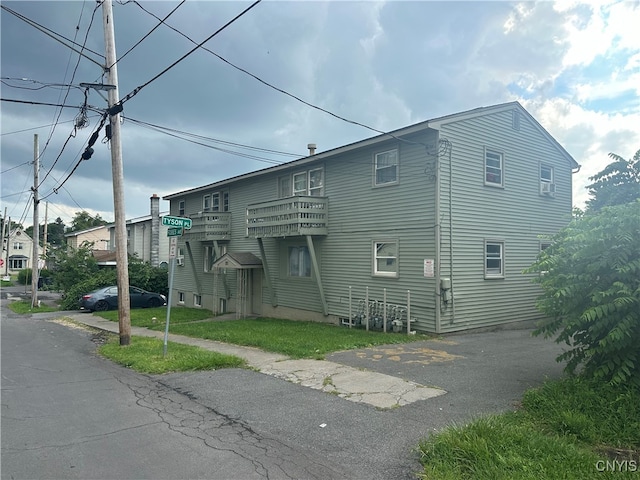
x=174 y=231
x=176 y=222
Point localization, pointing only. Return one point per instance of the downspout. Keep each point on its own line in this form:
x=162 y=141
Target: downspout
x=193 y=268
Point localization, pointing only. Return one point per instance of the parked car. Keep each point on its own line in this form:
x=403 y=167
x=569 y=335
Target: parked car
x=107 y=298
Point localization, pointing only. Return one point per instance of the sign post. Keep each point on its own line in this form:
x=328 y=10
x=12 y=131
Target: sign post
x=173 y=247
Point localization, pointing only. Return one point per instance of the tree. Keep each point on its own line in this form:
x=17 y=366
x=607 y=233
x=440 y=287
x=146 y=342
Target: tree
x=55 y=233
x=590 y=277
x=618 y=183
x=83 y=221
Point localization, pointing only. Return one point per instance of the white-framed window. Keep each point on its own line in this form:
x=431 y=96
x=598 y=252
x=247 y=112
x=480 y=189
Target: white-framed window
x=493 y=168
x=18 y=246
x=299 y=261
x=181 y=208
x=17 y=263
x=385 y=168
x=546 y=173
x=316 y=182
x=181 y=297
x=197 y=300
x=284 y=186
x=180 y=256
x=206 y=203
x=215 y=202
x=543 y=246
x=385 y=258
x=225 y=201
x=300 y=183
x=494 y=259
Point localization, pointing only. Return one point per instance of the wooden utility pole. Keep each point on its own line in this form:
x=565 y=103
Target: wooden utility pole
x=4 y=231
x=6 y=260
x=46 y=220
x=36 y=226
x=122 y=262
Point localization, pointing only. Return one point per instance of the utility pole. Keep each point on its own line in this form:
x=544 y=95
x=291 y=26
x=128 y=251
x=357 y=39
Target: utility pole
x=46 y=220
x=122 y=261
x=4 y=230
x=6 y=260
x=36 y=226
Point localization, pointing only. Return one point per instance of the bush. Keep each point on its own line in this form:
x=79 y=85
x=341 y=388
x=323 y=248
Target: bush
x=590 y=276
x=101 y=279
x=24 y=276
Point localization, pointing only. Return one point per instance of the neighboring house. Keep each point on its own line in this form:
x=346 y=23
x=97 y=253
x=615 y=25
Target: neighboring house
x=441 y=217
x=98 y=236
x=146 y=237
x=18 y=252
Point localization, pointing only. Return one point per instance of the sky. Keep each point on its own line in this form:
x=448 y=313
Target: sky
x=574 y=66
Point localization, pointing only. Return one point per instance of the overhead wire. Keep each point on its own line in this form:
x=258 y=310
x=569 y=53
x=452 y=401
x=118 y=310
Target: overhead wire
x=284 y=92
x=149 y=33
x=136 y=90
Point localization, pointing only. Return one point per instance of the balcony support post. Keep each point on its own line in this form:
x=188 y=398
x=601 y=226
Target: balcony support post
x=193 y=268
x=267 y=274
x=316 y=272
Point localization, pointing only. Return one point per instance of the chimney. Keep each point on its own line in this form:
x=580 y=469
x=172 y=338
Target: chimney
x=155 y=231
x=312 y=148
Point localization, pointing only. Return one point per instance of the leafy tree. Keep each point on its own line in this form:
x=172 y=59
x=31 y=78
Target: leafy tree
x=83 y=221
x=618 y=183
x=72 y=266
x=590 y=277
x=55 y=233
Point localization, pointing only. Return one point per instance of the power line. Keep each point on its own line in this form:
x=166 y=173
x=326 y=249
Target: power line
x=135 y=91
x=149 y=33
x=28 y=102
x=54 y=35
x=13 y=168
x=284 y=92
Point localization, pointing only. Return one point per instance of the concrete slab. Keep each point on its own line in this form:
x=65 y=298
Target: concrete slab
x=356 y=385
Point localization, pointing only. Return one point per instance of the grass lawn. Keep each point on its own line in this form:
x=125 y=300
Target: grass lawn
x=146 y=355
x=566 y=429
x=24 y=306
x=295 y=339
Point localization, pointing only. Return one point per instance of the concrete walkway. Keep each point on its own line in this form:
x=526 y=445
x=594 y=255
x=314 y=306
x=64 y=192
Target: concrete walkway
x=353 y=384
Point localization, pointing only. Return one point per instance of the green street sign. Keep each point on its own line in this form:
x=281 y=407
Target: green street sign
x=177 y=222
x=174 y=231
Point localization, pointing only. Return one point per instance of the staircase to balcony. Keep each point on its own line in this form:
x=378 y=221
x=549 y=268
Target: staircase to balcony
x=288 y=217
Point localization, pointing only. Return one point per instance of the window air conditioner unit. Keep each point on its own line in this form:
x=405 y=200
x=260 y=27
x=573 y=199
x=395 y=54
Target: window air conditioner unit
x=547 y=188
x=180 y=261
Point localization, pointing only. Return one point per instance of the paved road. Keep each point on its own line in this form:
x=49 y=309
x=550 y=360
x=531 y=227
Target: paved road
x=87 y=418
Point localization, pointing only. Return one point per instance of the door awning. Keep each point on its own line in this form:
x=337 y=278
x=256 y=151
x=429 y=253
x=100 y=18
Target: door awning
x=238 y=261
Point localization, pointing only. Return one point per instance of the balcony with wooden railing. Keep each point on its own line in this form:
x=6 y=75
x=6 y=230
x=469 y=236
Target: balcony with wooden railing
x=209 y=226
x=288 y=217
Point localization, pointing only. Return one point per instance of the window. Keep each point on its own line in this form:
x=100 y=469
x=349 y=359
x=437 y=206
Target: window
x=309 y=183
x=180 y=297
x=284 y=187
x=215 y=202
x=493 y=259
x=225 y=201
x=493 y=168
x=299 y=262
x=385 y=259
x=18 y=246
x=197 y=300
x=210 y=256
x=181 y=208
x=17 y=263
x=180 y=256
x=386 y=168
x=206 y=203
x=546 y=173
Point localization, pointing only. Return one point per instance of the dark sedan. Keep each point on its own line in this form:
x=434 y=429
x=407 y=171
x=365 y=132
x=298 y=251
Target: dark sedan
x=107 y=298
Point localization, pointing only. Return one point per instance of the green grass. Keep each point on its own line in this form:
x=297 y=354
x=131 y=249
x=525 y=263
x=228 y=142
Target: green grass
x=146 y=355
x=295 y=339
x=23 y=307
x=565 y=429
x=142 y=317
x=5 y=283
